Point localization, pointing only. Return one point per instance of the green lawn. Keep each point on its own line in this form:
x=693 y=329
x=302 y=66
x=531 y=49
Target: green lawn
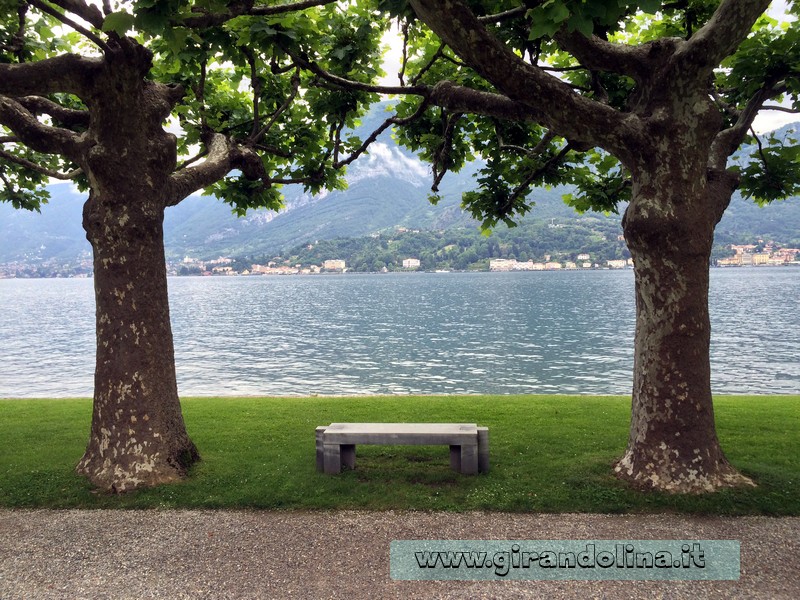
x=548 y=454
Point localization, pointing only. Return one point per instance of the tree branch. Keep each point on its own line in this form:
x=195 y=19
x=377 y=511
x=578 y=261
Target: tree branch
x=781 y=109
x=68 y=73
x=281 y=109
x=436 y=56
x=67 y=21
x=87 y=12
x=720 y=36
x=200 y=93
x=223 y=156
x=523 y=187
x=549 y=100
x=441 y=159
x=238 y=8
x=217 y=164
x=597 y=54
x=417 y=90
x=504 y=16
x=37 y=105
x=445 y=94
x=288 y=7
x=194 y=159
x=728 y=140
x=404 y=55
x=256 y=84
x=18 y=40
x=548 y=137
x=38 y=136
x=395 y=120
x=39 y=168
x=462 y=99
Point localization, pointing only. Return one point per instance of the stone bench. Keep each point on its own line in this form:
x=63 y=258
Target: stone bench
x=469 y=444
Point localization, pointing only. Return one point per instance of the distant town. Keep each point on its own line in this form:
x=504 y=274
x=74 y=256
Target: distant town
x=764 y=254
x=770 y=254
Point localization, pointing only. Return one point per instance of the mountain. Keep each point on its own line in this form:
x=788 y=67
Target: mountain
x=55 y=234
x=388 y=188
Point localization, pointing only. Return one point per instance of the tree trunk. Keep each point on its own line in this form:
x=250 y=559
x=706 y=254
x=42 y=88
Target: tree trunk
x=673 y=445
x=138 y=437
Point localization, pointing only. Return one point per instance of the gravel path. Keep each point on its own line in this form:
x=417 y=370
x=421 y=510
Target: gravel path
x=342 y=554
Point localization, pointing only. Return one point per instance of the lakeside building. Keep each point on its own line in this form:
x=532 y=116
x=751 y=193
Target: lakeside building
x=617 y=264
x=226 y=270
x=272 y=269
x=501 y=264
x=771 y=256
x=760 y=259
x=411 y=263
x=334 y=265
x=511 y=264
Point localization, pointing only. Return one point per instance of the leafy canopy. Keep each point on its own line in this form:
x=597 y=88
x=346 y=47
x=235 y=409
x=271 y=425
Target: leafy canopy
x=234 y=61
x=519 y=154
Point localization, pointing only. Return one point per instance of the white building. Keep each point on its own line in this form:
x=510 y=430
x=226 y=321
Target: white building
x=411 y=263
x=502 y=264
x=334 y=265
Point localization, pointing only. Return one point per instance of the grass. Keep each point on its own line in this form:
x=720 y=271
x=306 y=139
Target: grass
x=548 y=454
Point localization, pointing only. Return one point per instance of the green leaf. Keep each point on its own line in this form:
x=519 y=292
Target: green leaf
x=582 y=25
x=118 y=22
x=651 y=7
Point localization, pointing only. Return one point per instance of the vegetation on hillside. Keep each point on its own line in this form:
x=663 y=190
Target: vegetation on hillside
x=464 y=248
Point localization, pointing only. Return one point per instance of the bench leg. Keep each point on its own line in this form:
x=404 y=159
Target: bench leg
x=332 y=458
x=320 y=450
x=483 y=449
x=469 y=459
x=455 y=458
x=348 y=452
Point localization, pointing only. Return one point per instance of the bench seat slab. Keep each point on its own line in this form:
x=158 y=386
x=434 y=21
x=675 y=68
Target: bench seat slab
x=400 y=433
x=336 y=443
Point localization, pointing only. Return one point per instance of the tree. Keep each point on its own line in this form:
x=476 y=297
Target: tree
x=84 y=95
x=647 y=109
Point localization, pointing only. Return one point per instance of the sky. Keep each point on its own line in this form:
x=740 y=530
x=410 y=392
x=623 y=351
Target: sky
x=769 y=120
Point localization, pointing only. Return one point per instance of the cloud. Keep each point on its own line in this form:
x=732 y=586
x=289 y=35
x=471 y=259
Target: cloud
x=383 y=161
x=769 y=120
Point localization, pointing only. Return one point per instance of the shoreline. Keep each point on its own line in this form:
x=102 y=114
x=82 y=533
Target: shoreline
x=394 y=396
x=410 y=272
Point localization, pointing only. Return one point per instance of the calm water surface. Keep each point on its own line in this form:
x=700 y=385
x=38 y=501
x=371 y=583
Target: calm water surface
x=540 y=332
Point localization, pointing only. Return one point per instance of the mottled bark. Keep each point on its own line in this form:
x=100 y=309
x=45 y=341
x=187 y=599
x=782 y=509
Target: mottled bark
x=138 y=437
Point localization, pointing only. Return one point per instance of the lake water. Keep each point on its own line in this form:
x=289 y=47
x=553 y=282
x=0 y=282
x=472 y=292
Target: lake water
x=427 y=333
